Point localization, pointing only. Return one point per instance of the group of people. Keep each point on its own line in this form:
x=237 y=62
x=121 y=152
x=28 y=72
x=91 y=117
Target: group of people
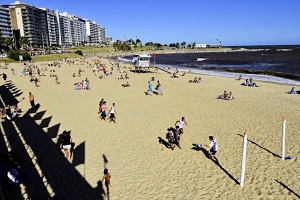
x=249 y=82
x=174 y=134
x=8 y=112
x=157 y=88
x=102 y=111
x=226 y=96
x=196 y=80
x=83 y=85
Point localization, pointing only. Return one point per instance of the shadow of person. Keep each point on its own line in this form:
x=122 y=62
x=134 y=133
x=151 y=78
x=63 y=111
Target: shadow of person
x=99 y=191
x=164 y=142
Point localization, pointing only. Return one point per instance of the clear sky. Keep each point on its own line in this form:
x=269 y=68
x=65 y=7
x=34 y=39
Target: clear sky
x=234 y=22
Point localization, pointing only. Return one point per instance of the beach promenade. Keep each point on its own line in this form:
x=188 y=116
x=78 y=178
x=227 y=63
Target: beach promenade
x=141 y=167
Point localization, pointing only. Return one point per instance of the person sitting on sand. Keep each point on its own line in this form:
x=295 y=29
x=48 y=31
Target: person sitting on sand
x=292 y=91
x=199 y=80
x=240 y=78
x=74 y=75
x=195 y=80
x=36 y=82
x=183 y=74
x=126 y=76
x=229 y=96
x=225 y=94
x=126 y=85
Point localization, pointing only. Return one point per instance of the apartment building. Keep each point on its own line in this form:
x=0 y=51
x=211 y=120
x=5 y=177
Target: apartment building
x=5 y=24
x=52 y=27
x=45 y=28
x=95 y=33
x=30 y=22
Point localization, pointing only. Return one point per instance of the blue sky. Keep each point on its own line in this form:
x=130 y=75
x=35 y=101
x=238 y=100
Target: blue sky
x=243 y=22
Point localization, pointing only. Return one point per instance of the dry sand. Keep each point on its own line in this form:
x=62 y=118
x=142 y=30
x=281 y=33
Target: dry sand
x=140 y=166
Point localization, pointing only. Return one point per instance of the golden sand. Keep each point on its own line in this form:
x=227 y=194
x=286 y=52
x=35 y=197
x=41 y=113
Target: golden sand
x=140 y=166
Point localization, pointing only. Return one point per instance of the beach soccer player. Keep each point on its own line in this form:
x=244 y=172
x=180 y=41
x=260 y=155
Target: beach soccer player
x=213 y=147
x=181 y=123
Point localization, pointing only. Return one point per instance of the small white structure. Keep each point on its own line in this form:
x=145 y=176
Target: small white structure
x=141 y=62
x=199 y=46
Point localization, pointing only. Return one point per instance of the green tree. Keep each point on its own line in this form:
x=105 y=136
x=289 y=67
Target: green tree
x=138 y=42
x=23 y=41
x=182 y=45
x=193 y=45
x=177 y=45
x=8 y=41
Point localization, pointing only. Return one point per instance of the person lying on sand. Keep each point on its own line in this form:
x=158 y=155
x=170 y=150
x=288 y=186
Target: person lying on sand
x=126 y=85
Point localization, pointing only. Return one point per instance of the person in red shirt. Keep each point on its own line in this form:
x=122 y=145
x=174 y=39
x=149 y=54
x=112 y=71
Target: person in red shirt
x=103 y=111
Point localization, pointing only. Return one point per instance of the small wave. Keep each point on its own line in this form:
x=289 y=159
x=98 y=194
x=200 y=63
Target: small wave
x=245 y=73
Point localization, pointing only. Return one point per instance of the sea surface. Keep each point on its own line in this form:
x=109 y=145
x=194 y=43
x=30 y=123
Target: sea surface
x=279 y=64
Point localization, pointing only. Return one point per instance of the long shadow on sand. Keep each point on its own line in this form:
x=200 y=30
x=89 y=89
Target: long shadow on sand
x=206 y=153
x=66 y=182
x=267 y=150
x=289 y=189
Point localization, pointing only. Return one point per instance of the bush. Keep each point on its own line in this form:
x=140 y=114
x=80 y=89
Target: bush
x=79 y=52
x=13 y=54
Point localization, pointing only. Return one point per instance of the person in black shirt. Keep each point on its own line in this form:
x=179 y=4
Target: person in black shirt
x=66 y=144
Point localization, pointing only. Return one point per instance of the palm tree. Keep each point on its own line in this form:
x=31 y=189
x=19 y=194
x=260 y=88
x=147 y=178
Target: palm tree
x=8 y=41
x=23 y=41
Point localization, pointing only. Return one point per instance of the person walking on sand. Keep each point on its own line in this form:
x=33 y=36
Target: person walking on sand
x=149 y=91
x=56 y=79
x=106 y=177
x=112 y=113
x=158 y=88
x=213 y=145
x=31 y=100
x=181 y=123
x=103 y=111
x=66 y=144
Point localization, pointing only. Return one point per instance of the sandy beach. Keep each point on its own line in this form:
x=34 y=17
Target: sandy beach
x=141 y=167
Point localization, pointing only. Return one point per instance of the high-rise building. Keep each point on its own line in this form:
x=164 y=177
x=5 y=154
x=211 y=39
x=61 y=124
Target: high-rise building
x=95 y=33
x=52 y=27
x=5 y=24
x=30 y=22
x=44 y=28
x=67 y=29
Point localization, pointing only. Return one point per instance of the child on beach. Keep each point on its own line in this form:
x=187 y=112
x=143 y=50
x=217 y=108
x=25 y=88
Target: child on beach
x=106 y=177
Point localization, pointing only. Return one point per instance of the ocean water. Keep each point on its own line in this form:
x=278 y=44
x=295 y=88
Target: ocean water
x=279 y=64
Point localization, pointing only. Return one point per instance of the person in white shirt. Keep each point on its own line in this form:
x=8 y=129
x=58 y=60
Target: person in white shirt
x=112 y=113
x=213 y=147
x=181 y=123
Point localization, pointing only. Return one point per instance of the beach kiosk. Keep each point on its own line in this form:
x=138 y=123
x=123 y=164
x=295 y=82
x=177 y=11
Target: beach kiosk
x=141 y=63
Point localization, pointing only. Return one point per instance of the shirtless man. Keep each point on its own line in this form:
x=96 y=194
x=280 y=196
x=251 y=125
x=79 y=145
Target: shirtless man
x=31 y=100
